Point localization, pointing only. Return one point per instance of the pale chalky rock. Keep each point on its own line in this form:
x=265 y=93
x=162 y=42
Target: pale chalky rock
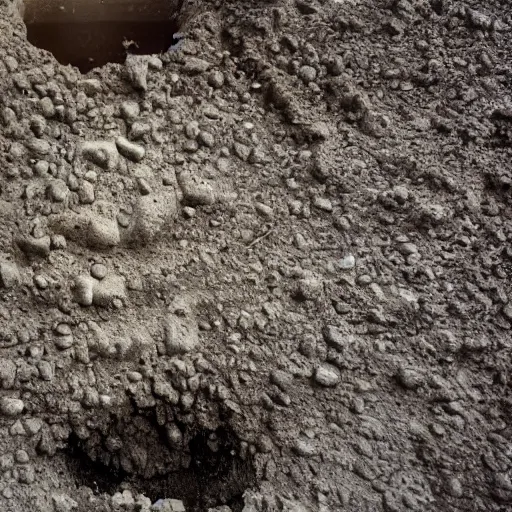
x=11 y=406
x=88 y=291
x=104 y=154
x=110 y=288
x=151 y=213
x=181 y=331
x=129 y=150
x=83 y=290
x=196 y=191
x=102 y=233
x=327 y=376
x=9 y=274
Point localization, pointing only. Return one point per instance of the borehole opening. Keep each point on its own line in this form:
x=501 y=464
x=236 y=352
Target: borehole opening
x=206 y=471
x=90 y=33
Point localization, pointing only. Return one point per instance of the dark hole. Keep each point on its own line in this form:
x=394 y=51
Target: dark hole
x=217 y=474
x=89 y=34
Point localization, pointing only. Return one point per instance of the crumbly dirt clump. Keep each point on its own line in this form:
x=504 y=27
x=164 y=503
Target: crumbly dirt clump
x=268 y=271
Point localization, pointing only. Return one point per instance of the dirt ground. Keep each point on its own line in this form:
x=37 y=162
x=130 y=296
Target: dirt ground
x=270 y=270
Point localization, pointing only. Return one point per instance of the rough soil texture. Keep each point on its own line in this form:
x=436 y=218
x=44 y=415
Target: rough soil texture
x=270 y=271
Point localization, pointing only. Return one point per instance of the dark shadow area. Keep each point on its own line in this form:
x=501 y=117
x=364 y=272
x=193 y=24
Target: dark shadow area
x=91 y=34
x=217 y=475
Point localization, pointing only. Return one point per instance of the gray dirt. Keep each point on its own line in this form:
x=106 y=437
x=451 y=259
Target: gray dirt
x=271 y=271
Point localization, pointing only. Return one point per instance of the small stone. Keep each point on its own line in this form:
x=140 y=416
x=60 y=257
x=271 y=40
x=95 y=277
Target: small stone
x=455 y=488
x=206 y=139
x=41 y=282
x=9 y=274
x=190 y=146
x=304 y=448
x=21 y=457
x=181 y=334
x=58 y=242
x=137 y=71
x=407 y=249
x=46 y=107
x=11 y=406
x=196 y=66
x=38 y=147
x=86 y=192
x=130 y=110
x=364 y=280
x=90 y=86
x=333 y=337
x=45 y=370
x=196 y=191
x=241 y=151
x=33 y=426
x=348 y=262
x=129 y=150
x=17 y=429
x=322 y=203
x=101 y=153
x=327 y=376
x=98 y=271
x=35 y=246
x=106 y=291
x=216 y=79
x=27 y=474
x=264 y=210
x=409 y=378
x=6 y=461
x=189 y=212
x=307 y=74
x=144 y=187
x=83 y=290
x=58 y=191
x=102 y=233
x=281 y=379
x=63 y=503
x=64 y=342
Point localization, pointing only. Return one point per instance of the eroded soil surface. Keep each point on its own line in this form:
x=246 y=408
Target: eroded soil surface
x=270 y=270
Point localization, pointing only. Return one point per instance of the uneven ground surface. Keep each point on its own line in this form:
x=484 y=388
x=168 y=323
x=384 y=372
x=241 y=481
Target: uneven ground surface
x=270 y=271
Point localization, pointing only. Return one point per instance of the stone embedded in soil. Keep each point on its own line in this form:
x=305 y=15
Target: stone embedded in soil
x=333 y=337
x=181 y=330
x=196 y=192
x=9 y=274
x=128 y=149
x=137 y=67
x=83 y=290
x=11 y=406
x=327 y=376
x=107 y=290
x=151 y=214
x=34 y=246
x=104 y=154
x=102 y=233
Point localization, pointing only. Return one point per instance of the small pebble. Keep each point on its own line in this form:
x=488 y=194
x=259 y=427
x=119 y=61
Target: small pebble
x=98 y=271
x=11 y=406
x=327 y=376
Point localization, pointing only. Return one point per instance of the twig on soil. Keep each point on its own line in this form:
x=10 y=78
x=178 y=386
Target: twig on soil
x=260 y=238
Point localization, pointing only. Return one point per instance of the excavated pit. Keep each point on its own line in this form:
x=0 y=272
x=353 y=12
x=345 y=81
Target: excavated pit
x=89 y=33
x=207 y=470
